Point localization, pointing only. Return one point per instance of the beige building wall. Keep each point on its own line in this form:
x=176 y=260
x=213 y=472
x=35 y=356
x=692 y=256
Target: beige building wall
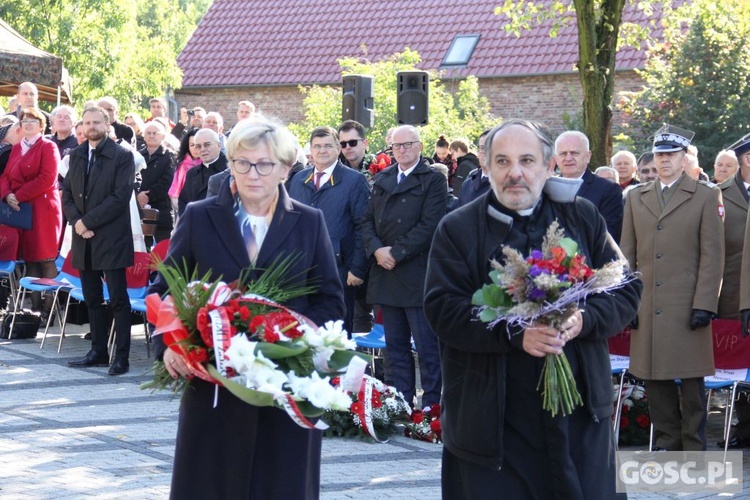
x=539 y=98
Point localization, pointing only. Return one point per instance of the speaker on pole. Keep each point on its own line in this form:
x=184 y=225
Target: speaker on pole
x=412 y=105
x=357 y=100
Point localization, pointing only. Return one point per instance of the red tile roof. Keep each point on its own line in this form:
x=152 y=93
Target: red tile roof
x=289 y=42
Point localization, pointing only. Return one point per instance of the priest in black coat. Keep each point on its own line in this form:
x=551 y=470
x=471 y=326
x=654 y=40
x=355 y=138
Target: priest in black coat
x=498 y=439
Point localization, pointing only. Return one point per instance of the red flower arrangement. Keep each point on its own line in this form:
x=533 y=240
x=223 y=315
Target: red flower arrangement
x=380 y=163
x=240 y=337
x=374 y=412
x=635 y=421
x=425 y=425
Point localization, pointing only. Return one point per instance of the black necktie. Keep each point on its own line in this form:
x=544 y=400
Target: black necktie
x=92 y=157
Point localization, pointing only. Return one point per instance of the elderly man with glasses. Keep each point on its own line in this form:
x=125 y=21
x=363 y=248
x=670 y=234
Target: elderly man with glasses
x=407 y=202
x=213 y=162
x=341 y=194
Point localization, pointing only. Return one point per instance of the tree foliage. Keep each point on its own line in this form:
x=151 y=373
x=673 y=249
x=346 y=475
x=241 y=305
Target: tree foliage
x=600 y=31
x=124 y=48
x=698 y=78
x=464 y=113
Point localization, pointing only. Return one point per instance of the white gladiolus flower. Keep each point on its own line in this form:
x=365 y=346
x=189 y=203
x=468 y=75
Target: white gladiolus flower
x=319 y=392
x=258 y=370
x=335 y=336
x=627 y=402
x=321 y=358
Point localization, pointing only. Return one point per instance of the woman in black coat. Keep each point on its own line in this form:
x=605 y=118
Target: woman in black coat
x=156 y=179
x=236 y=450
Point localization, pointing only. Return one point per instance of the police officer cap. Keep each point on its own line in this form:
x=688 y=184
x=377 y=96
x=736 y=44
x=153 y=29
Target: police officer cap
x=669 y=139
x=742 y=146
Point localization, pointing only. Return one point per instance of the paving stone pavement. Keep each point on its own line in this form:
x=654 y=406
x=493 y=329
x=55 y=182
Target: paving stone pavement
x=69 y=433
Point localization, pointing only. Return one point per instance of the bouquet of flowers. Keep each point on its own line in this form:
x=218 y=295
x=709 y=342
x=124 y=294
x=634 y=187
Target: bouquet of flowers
x=635 y=420
x=380 y=163
x=425 y=425
x=374 y=411
x=238 y=336
x=547 y=287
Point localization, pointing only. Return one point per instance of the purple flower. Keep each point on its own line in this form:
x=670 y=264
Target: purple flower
x=534 y=271
x=536 y=294
x=537 y=254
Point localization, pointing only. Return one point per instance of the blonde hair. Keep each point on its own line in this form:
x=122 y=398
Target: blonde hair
x=247 y=134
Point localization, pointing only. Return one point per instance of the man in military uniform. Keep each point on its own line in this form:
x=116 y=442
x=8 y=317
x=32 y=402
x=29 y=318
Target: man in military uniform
x=673 y=234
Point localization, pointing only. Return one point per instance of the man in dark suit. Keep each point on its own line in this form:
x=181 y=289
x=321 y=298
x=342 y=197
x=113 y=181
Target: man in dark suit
x=478 y=182
x=341 y=194
x=572 y=154
x=122 y=131
x=407 y=202
x=96 y=197
x=196 y=181
x=28 y=97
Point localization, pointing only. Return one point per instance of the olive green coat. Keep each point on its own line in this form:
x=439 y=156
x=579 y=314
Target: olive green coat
x=680 y=254
x=735 y=205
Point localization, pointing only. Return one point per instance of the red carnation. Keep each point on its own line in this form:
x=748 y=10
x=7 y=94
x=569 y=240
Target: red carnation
x=244 y=313
x=624 y=422
x=435 y=411
x=355 y=408
x=197 y=355
x=376 y=401
x=642 y=421
x=417 y=417
x=204 y=327
x=436 y=427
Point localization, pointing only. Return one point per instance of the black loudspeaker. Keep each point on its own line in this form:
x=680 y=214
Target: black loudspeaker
x=412 y=104
x=357 y=101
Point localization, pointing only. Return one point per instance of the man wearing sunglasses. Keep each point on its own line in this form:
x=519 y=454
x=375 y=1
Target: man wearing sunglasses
x=341 y=194
x=353 y=145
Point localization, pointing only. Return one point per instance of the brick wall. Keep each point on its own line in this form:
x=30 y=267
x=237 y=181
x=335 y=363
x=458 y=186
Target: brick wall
x=282 y=102
x=539 y=98
x=546 y=98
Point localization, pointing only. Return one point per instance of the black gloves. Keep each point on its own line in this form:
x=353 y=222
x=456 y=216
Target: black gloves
x=745 y=320
x=634 y=324
x=699 y=318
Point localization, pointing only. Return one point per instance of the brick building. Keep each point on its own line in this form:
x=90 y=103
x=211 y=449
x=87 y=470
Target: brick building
x=262 y=51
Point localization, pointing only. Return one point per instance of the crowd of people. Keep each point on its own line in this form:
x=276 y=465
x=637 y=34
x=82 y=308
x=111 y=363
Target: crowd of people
x=407 y=246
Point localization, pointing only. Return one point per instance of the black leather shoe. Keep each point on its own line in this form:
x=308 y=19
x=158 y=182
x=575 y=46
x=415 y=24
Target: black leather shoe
x=735 y=443
x=91 y=359
x=119 y=367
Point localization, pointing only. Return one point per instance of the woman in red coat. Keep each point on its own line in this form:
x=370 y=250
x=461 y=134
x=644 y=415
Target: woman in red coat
x=31 y=177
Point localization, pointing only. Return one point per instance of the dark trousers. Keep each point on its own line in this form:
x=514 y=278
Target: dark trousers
x=349 y=294
x=678 y=413
x=362 y=311
x=742 y=406
x=400 y=325
x=93 y=293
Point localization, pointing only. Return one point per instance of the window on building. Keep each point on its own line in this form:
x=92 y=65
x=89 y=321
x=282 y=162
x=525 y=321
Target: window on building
x=460 y=50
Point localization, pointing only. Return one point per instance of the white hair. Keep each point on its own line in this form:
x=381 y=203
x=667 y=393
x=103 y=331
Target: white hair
x=573 y=133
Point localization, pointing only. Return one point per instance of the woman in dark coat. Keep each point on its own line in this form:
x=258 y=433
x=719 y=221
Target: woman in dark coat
x=156 y=179
x=236 y=450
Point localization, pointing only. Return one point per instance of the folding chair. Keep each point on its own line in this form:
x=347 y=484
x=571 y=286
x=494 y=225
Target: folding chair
x=66 y=280
x=373 y=343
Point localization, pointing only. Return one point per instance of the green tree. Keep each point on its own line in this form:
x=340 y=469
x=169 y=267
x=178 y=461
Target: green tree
x=600 y=31
x=124 y=48
x=698 y=78
x=465 y=114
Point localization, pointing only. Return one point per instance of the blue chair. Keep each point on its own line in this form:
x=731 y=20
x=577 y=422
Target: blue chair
x=373 y=343
x=63 y=282
x=8 y=268
x=136 y=296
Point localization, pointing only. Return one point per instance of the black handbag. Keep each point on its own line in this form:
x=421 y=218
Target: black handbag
x=25 y=326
